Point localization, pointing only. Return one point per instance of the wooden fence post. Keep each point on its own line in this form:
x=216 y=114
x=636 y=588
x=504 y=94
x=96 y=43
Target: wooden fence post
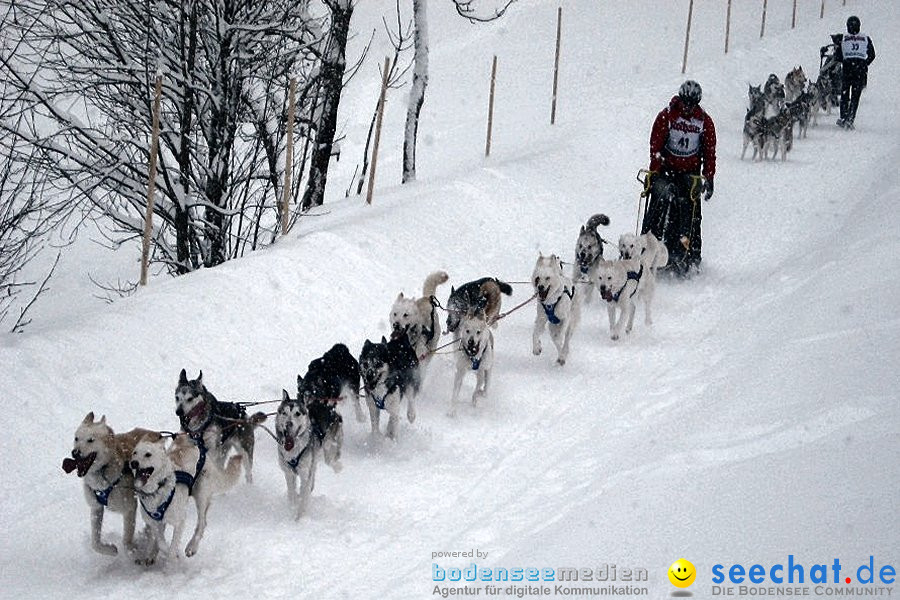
x=727 y=26
x=151 y=182
x=490 y=123
x=822 y=10
x=794 y=16
x=762 y=29
x=687 y=36
x=288 y=158
x=556 y=65
x=384 y=84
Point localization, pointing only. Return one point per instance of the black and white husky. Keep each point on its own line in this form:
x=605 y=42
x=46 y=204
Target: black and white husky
x=556 y=309
x=215 y=426
x=330 y=379
x=390 y=374
x=297 y=451
x=470 y=298
x=588 y=250
x=418 y=319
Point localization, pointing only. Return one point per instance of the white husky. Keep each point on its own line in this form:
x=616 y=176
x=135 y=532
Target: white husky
x=101 y=459
x=418 y=317
x=556 y=306
x=297 y=452
x=621 y=283
x=646 y=248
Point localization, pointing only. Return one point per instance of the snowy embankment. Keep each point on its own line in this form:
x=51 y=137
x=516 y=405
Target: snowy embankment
x=758 y=416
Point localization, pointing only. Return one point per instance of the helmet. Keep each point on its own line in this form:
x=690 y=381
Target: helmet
x=690 y=92
x=853 y=25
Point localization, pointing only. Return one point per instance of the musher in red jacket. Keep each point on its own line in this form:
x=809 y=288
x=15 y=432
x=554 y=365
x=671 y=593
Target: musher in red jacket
x=682 y=147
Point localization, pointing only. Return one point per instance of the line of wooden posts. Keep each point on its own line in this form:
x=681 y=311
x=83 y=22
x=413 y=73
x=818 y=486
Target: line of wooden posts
x=285 y=207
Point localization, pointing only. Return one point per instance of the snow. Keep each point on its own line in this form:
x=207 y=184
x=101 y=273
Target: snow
x=757 y=417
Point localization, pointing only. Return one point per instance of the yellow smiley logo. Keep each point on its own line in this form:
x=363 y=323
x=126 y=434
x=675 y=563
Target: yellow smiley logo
x=682 y=573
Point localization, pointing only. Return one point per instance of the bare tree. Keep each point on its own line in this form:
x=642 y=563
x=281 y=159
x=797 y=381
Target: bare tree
x=332 y=66
x=468 y=9
x=83 y=71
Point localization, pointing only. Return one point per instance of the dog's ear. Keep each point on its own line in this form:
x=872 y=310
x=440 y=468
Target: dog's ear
x=299 y=383
x=88 y=419
x=582 y=230
x=182 y=378
x=284 y=395
x=452 y=290
x=200 y=377
x=102 y=420
x=400 y=296
x=383 y=340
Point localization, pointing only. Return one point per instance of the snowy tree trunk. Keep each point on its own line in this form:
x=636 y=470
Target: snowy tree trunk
x=417 y=93
x=332 y=74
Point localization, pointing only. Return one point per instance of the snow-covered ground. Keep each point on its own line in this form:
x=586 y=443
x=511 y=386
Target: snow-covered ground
x=757 y=418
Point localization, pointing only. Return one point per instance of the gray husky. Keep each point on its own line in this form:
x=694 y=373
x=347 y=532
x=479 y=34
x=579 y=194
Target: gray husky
x=588 y=251
x=297 y=452
x=470 y=298
x=476 y=349
x=557 y=308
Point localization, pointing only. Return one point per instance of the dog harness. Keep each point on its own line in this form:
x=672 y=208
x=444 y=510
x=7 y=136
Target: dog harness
x=197 y=438
x=182 y=477
x=631 y=275
x=102 y=496
x=550 y=309
x=294 y=462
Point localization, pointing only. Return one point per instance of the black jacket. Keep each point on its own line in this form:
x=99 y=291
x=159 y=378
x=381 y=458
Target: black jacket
x=855 y=69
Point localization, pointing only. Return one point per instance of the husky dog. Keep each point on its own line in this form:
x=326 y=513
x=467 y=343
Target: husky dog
x=390 y=373
x=651 y=253
x=588 y=250
x=794 y=83
x=215 y=425
x=620 y=283
x=470 y=297
x=163 y=480
x=418 y=317
x=754 y=123
x=476 y=345
x=773 y=90
x=799 y=110
x=557 y=306
x=329 y=379
x=297 y=454
x=100 y=459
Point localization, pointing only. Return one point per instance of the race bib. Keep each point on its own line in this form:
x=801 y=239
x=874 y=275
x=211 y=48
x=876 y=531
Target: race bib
x=684 y=137
x=855 y=46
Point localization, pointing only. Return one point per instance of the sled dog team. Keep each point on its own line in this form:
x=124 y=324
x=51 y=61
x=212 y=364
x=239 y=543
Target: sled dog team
x=139 y=472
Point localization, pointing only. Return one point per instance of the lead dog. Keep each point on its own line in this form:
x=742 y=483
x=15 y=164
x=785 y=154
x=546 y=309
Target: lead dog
x=297 y=452
x=418 y=318
x=165 y=478
x=476 y=345
x=556 y=308
x=214 y=425
x=100 y=458
x=621 y=284
x=588 y=251
x=390 y=373
x=646 y=248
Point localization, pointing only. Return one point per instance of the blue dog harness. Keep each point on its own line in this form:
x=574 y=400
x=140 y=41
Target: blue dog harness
x=630 y=276
x=102 y=496
x=550 y=309
x=181 y=477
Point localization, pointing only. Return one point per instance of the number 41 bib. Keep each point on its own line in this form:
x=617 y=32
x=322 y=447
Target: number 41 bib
x=684 y=137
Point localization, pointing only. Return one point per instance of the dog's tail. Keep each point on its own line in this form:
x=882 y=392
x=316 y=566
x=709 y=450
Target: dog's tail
x=257 y=418
x=595 y=221
x=502 y=286
x=491 y=291
x=432 y=282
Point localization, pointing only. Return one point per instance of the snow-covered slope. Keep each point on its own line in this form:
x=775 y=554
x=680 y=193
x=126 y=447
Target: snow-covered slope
x=757 y=418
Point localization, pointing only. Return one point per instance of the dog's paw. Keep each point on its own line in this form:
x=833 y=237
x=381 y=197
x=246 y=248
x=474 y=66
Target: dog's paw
x=614 y=337
x=191 y=549
x=336 y=466
x=561 y=361
x=536 y=349
x=106 y=549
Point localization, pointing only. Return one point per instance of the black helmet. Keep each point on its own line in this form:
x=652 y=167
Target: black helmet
x=853 y=25
x=690 y=92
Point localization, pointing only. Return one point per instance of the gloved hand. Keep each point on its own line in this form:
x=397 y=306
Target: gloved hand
x=709 y=189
